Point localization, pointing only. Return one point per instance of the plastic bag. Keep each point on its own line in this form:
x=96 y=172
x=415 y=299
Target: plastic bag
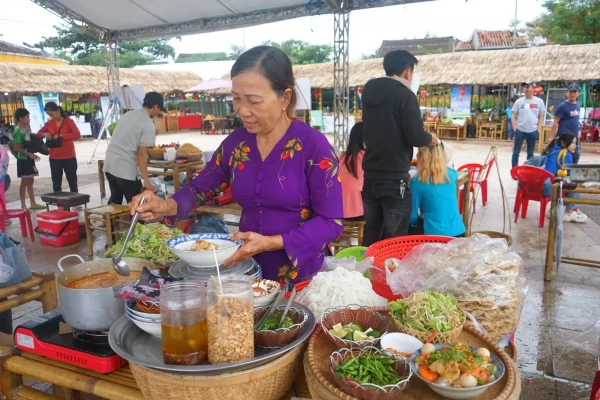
x=210 y=224
x=14 y=257
x=589 y=340
x=484 y=275
x=349 y=263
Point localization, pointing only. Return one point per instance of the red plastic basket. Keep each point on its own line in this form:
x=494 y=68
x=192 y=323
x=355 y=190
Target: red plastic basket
x=398 y=247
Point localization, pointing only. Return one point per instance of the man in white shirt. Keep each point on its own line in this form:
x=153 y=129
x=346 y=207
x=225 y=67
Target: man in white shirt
x=527 y=119
x=127 y=154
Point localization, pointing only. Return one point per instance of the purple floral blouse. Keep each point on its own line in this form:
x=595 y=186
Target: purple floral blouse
x=295 y=192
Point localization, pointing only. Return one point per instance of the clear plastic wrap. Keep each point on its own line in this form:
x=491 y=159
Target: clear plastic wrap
x=589 y=340
x=348 y=263
x=484 y=275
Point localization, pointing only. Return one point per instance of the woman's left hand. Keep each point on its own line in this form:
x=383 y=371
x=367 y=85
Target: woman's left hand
x=47 y=135
x=254 y=243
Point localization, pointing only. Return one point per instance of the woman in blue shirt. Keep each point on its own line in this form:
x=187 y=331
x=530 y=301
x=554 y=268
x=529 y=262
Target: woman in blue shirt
x=434 y=195
x=558 y=154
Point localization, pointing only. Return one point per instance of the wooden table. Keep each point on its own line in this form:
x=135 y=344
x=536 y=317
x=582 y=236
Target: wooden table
x=542 y=138
x=463 y=182
x=173 y=169
x=430 y=124
x=550 y=259
x=444 y=131
x=488 y=127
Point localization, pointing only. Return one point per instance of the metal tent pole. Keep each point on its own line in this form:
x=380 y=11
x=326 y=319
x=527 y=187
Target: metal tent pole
x=341 y=89
x=111 y=49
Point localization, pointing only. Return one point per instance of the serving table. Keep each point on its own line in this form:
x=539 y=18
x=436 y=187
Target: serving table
x=458 y=131
x=118 y=385
x=173 y=169
x=550 y=249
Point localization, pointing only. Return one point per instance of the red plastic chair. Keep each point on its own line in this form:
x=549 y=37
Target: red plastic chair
x=24 y=217
x=479 y=177
x=531 y=179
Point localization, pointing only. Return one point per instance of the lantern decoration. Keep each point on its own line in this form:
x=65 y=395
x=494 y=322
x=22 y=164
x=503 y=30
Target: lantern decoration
x=538 y=90
x=360 y=91
x=95 y=96
x=196 y=96
x=462 y=91
x=181 y=97
x=317 y=94
x=424 y=93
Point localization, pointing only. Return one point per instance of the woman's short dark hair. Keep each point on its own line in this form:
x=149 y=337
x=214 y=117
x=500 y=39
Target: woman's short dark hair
x=397 y=61
x=274 y=65
x=20 y=113
x=52 y=106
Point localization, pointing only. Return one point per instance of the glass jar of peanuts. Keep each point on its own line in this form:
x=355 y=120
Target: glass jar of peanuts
x=230 y=318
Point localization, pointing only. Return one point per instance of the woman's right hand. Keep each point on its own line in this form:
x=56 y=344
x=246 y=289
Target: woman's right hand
x=155 y=208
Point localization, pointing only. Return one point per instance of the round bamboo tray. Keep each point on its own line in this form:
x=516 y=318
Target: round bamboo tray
x=320 y=381
x=266 y=382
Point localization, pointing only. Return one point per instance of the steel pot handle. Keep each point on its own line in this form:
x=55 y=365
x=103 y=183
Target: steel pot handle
x=60 y=261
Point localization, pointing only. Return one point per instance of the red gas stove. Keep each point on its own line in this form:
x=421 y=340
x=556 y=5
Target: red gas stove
x=89 y=350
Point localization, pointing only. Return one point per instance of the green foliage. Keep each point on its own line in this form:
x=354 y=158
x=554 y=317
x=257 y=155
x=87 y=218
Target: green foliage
x=234 y=53
x=301 y=52
x=80 y=48
x=568 y=22
x=369 y=56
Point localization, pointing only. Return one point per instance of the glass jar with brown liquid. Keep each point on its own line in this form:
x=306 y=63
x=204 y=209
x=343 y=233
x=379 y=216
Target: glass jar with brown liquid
x=183 y=320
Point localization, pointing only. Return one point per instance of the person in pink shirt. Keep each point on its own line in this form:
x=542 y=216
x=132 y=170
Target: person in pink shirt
x=352 y=175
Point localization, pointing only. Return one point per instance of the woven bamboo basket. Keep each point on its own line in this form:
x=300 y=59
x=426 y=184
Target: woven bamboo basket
x=320 y=381
x=440 y=337
x=266 y=382
x=496 y=235
x=191 y=157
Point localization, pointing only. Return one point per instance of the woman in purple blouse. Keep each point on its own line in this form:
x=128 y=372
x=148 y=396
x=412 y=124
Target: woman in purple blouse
x=284 y=174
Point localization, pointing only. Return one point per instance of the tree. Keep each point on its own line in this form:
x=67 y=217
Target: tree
x=568 y=22
x=369 y=56
x=301 y=52
x=202 y=57
x=235 y=51
x=79 y=48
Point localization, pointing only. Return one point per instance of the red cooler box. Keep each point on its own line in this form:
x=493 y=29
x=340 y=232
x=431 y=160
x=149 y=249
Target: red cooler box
x=58 y=228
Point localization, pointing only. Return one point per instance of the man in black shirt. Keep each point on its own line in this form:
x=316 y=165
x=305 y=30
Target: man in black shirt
x=392 y=127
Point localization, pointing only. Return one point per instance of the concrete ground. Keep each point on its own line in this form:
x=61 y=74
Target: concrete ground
x=553 y=315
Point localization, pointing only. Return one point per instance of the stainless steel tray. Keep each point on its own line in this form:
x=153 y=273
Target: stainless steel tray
x=137 y=346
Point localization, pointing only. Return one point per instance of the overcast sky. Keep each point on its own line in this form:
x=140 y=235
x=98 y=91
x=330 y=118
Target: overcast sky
x=23 y=21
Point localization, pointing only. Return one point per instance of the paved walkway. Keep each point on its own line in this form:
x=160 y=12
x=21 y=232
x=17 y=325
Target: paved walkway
x=553 y=314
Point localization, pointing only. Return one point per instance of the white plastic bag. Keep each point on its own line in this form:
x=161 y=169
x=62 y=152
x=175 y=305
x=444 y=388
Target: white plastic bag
x=348 y=263
x=589 y=340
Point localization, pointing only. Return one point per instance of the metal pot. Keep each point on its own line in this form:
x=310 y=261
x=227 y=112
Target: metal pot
x=91 y=309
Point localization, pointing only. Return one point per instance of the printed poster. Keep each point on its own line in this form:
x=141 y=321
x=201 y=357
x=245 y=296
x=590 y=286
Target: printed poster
x=553 y=99
x=36 y=116
x=104 y=103
x=316 y=118
x=460 y=101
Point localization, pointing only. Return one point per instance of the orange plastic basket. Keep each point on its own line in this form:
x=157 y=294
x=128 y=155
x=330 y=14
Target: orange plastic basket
x=399 y=246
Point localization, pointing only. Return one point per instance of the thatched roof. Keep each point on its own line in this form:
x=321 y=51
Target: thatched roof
x=489 y=67
x=80 y=79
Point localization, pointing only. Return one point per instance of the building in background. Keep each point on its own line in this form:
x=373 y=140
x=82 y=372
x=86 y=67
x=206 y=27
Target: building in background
x=15 y=53
x=491 y=40
x=418 y=47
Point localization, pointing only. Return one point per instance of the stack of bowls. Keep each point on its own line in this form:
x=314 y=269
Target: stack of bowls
x=147 y=322
x=265 y=292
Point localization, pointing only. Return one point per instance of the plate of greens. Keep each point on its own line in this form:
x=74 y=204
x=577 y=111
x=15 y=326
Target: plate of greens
x=148 y=242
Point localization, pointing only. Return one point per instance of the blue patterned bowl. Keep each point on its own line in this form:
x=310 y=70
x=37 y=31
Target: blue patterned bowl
x=181 y=246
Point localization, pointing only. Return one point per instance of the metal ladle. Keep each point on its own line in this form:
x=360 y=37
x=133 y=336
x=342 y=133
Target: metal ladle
x=118 y=264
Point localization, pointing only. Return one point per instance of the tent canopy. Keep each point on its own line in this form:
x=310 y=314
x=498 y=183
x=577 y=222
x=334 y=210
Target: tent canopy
x=213 y=84
x=129 y=20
